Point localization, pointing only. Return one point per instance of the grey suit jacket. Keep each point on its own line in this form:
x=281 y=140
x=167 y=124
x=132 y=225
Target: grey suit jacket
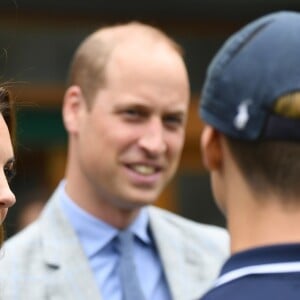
x=46 y=261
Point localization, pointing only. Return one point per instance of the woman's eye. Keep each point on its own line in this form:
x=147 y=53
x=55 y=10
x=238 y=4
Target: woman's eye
x=9 y=171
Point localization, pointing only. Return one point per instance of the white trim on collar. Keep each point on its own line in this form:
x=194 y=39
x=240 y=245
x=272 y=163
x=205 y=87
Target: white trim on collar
x=285 y=267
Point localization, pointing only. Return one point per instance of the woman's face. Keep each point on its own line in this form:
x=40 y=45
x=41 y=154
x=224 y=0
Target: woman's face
x=7 y=170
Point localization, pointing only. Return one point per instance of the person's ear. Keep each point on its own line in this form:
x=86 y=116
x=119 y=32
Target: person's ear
x=73 y=105
x=211 y=148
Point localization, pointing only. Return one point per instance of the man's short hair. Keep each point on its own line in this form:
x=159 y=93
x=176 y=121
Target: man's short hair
x=88 y=66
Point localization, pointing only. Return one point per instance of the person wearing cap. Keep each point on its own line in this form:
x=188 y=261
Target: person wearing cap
x=99 y=236
x=250 y=105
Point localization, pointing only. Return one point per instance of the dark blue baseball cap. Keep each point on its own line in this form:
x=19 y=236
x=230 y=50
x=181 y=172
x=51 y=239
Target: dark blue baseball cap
x=255 y=66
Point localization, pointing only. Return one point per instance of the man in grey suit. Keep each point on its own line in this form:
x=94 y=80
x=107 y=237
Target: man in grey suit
x=125 y=111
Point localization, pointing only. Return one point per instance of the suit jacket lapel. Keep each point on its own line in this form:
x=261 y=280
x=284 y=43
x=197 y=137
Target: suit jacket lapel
x=184 y=268
x=64 y=258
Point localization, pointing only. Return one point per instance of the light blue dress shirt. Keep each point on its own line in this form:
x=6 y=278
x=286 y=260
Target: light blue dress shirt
x=96 y=239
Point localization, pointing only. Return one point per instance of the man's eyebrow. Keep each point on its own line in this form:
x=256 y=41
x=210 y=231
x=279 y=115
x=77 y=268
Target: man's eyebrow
x=177 y=112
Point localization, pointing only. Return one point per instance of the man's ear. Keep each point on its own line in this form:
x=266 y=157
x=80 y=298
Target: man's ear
x=211 y=148
x=72 y=107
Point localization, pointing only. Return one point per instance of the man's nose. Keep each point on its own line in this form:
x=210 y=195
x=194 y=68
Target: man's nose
x=153 y=137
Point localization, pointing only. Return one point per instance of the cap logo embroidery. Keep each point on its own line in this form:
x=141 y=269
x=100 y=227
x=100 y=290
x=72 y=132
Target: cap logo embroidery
x=242 y=116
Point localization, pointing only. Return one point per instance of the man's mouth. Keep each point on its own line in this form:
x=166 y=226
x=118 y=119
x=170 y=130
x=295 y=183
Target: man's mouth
x=144 y=169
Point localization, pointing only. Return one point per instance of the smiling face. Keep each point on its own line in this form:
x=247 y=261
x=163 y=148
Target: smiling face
x=7 y=198
x=128 y=145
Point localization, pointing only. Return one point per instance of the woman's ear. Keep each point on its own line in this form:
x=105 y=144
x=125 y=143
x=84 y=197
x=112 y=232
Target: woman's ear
x=211 y=148
x=72 y=106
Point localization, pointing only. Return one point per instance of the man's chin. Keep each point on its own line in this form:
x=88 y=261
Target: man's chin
x=141 y=200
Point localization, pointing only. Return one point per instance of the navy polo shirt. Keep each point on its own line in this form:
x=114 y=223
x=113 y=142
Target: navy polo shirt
x=265 y=273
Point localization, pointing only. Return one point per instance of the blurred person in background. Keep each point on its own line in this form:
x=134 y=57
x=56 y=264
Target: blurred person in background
x=251 y=146
x=32 y=203
x=99 y=237
x=29 y=213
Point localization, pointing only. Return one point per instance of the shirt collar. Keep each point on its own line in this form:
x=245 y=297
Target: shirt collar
x=94 y=233
x=140 y=226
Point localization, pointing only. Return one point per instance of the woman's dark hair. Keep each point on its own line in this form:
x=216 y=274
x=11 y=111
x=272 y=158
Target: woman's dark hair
x=7 y=111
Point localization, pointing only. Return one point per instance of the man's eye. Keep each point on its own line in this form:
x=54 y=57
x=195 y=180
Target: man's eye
x=133 y=113
x=173 y=120
x=9 y=171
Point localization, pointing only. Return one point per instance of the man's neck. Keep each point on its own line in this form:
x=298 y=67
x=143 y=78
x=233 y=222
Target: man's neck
x=117 y=217
x=263 y=222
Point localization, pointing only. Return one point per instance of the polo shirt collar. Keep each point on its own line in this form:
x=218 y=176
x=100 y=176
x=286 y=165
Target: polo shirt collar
x=263 y=255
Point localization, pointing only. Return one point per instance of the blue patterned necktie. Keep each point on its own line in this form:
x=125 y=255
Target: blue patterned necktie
x=131 y=289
